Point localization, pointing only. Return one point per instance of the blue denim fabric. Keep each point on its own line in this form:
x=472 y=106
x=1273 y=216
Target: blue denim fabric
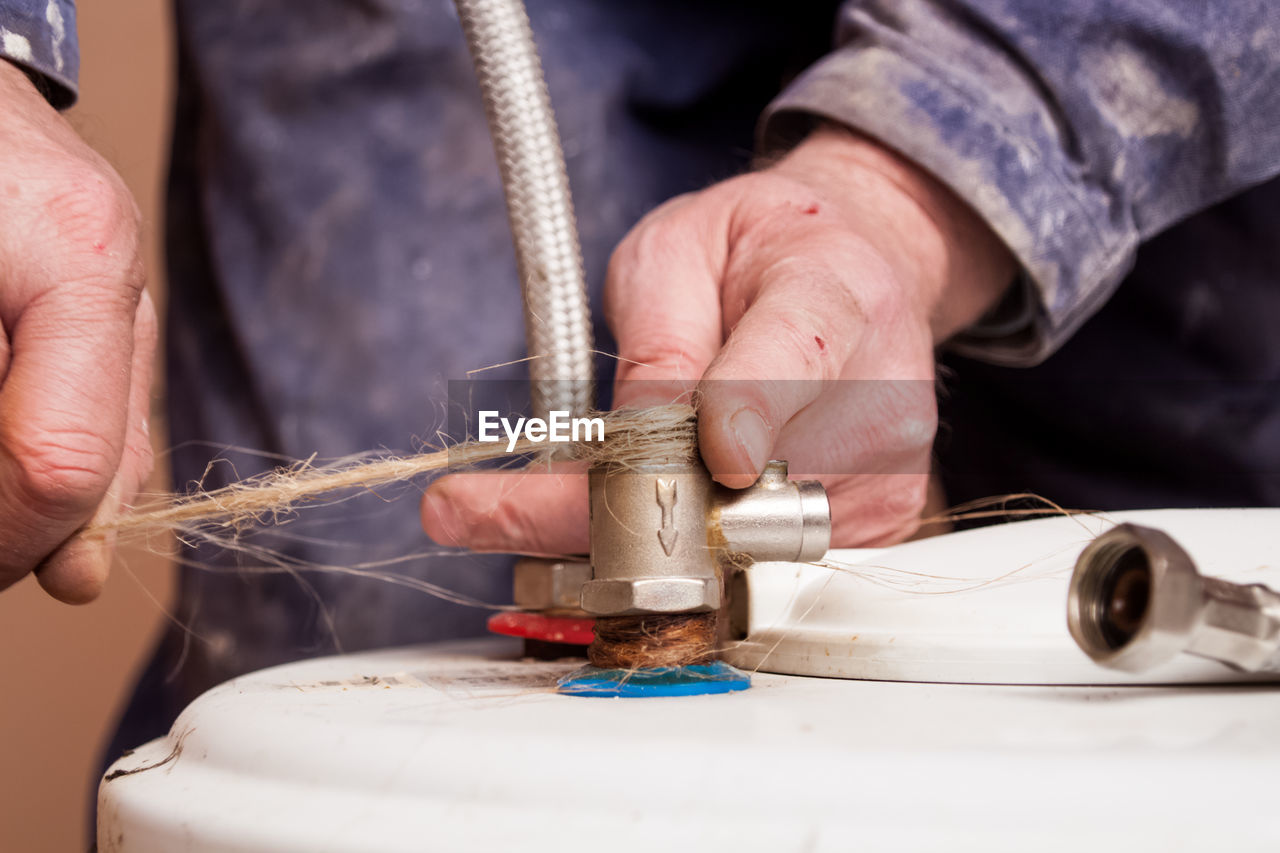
x=1105 y=141
x=1078 y=129
x=40 y=36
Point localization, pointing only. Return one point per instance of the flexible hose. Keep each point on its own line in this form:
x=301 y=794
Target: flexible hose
x=539 y=205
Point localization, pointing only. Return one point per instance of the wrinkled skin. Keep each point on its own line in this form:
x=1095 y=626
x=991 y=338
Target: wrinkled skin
x=840 y=261
x=76 y=352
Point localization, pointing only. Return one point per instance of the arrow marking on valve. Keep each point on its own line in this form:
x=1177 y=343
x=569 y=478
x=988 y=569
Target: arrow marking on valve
x=667 y=500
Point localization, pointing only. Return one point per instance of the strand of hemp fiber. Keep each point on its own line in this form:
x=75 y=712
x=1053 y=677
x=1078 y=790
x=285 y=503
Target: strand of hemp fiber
x=636 y=435
x=633 y=438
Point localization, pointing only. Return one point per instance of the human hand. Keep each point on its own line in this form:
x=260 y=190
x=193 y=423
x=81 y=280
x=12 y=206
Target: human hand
x=778 y=293
x=75 y=355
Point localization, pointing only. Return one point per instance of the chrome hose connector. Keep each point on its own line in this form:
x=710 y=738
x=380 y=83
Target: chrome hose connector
x=1136 y=600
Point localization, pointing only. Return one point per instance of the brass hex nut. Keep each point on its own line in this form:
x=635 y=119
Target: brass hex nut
x=550 y=584
x=650 y=595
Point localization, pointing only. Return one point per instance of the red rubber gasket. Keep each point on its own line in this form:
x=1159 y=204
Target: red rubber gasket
x=550 y=629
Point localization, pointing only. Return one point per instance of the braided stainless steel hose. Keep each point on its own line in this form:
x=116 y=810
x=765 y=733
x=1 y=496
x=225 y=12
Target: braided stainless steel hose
x=539 y=205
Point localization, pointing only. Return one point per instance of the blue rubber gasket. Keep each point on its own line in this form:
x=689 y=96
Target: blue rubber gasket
x=695 y=680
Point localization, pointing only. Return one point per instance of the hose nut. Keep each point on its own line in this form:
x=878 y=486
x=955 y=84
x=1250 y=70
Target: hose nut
x=1136 y=600
x=651 y=595
x=549 y=584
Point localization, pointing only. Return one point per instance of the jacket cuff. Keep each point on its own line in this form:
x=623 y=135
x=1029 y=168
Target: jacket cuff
x=999 y=153
x=40 y=38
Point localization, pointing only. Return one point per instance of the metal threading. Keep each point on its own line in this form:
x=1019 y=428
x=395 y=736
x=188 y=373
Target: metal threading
x=1117 y=595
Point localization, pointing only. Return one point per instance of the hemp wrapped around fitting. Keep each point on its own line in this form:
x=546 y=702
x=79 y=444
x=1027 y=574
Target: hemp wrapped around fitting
x=657 y=436
x=632 y=436
x=637 y=437
x=653 y=640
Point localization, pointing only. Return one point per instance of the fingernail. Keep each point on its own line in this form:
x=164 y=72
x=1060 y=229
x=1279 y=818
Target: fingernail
x=753 y=437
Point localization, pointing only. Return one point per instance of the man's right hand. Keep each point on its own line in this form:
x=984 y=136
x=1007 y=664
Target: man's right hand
x=75 y=354
x=805 y=300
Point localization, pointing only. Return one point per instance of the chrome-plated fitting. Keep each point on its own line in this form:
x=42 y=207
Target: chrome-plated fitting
x=658 y=533
x=1136 y=600
x=775 y=519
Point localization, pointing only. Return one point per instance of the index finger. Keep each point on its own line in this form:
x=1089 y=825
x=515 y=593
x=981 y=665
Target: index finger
x=662 y=301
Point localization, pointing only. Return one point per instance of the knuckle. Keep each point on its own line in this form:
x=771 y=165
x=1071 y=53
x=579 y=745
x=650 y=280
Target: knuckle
x=645 y=245
x=89 y=196
x=832 y=264
x=668 y=348
x=756 y=195
x=916 y=431
x=828 y=294
x=769 y=207
x=906 y=430
x=512 y=524
x=884 y=510
x=495 y=529
x=95 y=214
x=670 y=232
x=784 y=349
x=906 y=498
x=796 y=334
x=912 y=410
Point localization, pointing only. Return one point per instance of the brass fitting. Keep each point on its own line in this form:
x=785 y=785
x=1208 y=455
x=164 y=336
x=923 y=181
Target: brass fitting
x=658 y=533
x=550 y=585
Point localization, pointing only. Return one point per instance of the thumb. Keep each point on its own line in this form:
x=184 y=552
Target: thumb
x=528 y=511
x=76 y=571
x=63 y=419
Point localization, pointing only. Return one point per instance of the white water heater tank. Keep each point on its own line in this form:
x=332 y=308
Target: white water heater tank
x=468 y=747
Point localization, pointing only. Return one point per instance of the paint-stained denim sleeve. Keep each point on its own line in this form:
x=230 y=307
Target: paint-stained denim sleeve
x=40 y=36
x=1076 y=128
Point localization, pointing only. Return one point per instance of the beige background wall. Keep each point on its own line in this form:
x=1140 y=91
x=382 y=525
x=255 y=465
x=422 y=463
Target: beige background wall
x=63 y=670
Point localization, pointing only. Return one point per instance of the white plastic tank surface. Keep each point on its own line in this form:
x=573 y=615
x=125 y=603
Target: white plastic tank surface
x=466 y=747
x=987 y=605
